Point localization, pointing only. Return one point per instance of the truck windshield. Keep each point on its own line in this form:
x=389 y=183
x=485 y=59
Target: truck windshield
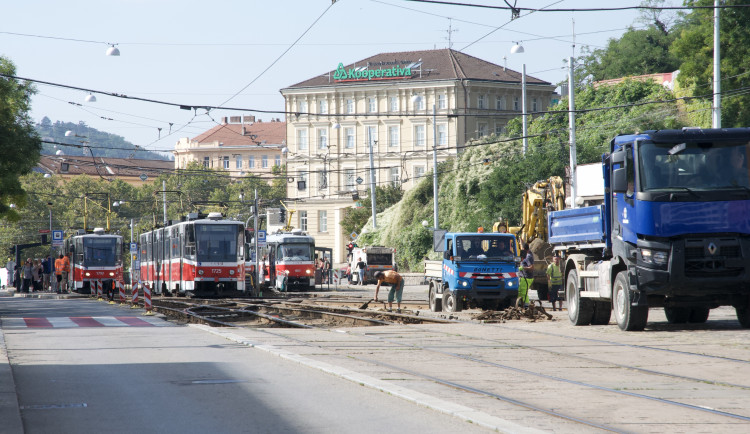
x=485 y=246
x=693 y=165
x=99 y=252
x=295 y=252
x=217 y=243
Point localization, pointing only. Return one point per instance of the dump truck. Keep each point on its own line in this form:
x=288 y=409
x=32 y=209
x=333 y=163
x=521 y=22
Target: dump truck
x=377 y=258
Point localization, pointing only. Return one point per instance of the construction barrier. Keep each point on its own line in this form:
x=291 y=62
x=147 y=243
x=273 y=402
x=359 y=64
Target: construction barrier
x=134 y=300
x=121 y=290
x=99 y=289
x=147 y=299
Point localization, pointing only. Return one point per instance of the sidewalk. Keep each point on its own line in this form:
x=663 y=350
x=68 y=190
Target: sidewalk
x=10 y=414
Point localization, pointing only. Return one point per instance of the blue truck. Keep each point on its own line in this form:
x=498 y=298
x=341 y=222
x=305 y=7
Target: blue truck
x=477 y=270
x=673 y=231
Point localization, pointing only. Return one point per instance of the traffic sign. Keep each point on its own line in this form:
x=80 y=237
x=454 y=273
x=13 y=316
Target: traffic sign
x=353 y=235
x=261 y=238
x=133 y=248
x=57 y=238
x=44 y=231
x=143 y=177
x=360 y=180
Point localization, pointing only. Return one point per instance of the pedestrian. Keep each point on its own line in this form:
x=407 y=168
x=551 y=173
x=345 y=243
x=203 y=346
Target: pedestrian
x=17 y=277
x=526 y=277
x=326 y=270
x=11 y=267
x=397 y=287
x=59 y=264
x=66 y=271
x=47 y=272
x=361 y=266
x=554 y=281
x=27 y=275
x=36 y=273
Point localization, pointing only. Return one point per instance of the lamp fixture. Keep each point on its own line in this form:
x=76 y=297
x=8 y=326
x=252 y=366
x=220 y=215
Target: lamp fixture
x=90 y=98
x=517 y=49
x=113 y=51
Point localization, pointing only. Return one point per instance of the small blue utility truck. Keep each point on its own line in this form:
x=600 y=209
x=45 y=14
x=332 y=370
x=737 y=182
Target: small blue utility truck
x=477 y=270
x=673 y=231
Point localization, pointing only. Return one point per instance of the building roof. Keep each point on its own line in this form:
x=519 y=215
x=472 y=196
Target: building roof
x=108 y=168
x=427 y=65
x=245 y=134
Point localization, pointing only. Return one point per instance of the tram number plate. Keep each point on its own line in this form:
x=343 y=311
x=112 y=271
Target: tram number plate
x=216 y=270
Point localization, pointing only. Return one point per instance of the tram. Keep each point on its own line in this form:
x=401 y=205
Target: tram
x=203 y=256
x=94 y=257
x=290 y=254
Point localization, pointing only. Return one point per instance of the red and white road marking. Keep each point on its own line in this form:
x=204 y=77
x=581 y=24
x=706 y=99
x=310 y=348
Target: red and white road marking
x=83 y=321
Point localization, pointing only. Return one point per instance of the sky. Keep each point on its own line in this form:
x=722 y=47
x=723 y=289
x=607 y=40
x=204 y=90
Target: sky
x=239 y=54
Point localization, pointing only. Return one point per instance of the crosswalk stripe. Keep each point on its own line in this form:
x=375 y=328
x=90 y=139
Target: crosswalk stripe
x=82 y=321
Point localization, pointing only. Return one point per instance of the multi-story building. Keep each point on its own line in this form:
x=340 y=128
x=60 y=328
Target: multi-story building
x=134 y=171
x=240 y=145
x=395 y=109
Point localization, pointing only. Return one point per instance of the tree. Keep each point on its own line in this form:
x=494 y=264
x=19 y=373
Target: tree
x=695 y=47
x=19 y=142
x=356 y=218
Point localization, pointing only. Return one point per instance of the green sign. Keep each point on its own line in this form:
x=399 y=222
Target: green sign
x=354 y=74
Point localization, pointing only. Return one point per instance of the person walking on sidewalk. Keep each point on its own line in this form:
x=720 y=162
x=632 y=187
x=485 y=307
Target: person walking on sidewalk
x=59 y=264
x=397 y=287
x=27 y=275
x=47 y=272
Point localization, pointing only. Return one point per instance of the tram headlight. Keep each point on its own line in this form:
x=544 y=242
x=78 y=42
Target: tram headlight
x=88 y=274
x=308 y=271
x=111 y=274
x=200 y=272
x=231 y=272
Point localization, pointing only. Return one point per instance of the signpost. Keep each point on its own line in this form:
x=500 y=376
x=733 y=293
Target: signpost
x=261 y=238
x=57 y=238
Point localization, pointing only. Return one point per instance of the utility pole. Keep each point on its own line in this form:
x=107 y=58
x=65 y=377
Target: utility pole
x=716 y=110
x=372 y=181
x=434 y=168
x=257 y=254
x=572 y=122
x=164 y=188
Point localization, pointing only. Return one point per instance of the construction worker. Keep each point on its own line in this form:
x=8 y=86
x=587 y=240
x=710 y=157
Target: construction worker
x=59 y=265
x=397 y=287
x=554 y=281
x=526 y=277
x=66 y=271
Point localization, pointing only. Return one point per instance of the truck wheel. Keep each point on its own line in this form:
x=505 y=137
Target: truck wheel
x=677 y=315
x=436 y=304
x=629 y=317
x=452 y=303
x=602 y=313
x=699 y=315
x=580 y=311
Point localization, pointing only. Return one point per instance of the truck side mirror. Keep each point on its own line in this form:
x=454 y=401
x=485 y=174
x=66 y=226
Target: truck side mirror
x=619 y=180
x=446 y=255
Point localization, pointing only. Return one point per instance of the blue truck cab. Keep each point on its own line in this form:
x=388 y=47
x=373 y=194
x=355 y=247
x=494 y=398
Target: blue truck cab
x=673 y=231
x=477 y=270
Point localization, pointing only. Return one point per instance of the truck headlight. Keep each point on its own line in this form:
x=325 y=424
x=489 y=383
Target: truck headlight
x=463 y=283
x=654 y=257
x=511 y=283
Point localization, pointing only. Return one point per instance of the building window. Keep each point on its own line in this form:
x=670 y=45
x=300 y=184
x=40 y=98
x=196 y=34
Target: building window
x=322 y=221
x=322 y=138
x=500 y=103
x=516 y=104
x=481 y=129
x=533 y=105
x=302 y=106
x=349 y=106
x=393 y=104
x=264 y=161
x=419 y=103
x=393 y=137
x=277 y=160
x=302 y=180
x=322 y=180
x=206 y=161
x=226 y=162
x=419 y=139
x=251 y=162
x=302 y=140
x=395 y=180
x=480 y=102
x=303 y=220
x=372 y=105
x=349 y=134
x=350 y=176
x=322 y=106
x=418 y=171
x=442 y=134
x=442 y=101
x=372 y=136
x=238 y=162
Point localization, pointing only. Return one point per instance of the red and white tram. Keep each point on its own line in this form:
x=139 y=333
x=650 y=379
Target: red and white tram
x=199 y=257
x=291 y=254
x=94 y=257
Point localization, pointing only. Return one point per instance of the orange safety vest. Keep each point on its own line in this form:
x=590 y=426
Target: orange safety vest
x=66 y=264
x=59 y=265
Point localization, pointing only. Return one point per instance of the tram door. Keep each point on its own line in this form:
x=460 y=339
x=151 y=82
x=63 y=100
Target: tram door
x=158 y=260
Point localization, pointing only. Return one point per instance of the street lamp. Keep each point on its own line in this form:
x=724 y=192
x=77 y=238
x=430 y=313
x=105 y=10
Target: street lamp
x=518 y=49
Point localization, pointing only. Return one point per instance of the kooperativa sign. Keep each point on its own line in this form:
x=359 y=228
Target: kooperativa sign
x=365 y=73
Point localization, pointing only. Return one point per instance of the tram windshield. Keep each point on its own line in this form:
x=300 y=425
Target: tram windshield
x=99 y=252
x=217 y=243
x=295 y=252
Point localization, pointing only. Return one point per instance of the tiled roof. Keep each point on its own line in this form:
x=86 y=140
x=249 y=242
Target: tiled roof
x=443 y=64
x=103 y=166
x=273 y=133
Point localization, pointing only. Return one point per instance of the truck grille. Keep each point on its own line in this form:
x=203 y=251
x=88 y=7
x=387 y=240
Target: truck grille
x=707 y=258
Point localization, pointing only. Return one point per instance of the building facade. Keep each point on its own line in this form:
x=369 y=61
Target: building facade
x=240 y=145
x=390 y=112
